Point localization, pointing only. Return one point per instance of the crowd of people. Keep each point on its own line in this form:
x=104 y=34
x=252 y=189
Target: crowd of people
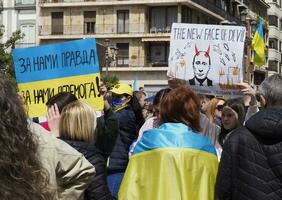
x=181 y=146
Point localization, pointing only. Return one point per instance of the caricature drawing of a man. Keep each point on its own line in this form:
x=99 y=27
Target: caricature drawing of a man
x=201 y=66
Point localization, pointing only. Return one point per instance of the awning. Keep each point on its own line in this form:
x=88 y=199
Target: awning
x=153 y=39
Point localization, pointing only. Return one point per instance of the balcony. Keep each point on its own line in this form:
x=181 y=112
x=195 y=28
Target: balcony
x=73 y=3
x=217 y=10
x=132 y=30
x=25 y=4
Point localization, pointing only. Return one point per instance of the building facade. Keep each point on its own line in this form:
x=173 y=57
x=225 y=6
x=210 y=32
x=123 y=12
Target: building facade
x=19 y=15
x=139 y=29
x=256 y=9
x=275 y=36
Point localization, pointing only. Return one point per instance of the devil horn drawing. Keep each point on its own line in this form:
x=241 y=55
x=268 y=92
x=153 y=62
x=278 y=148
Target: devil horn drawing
x=208 y=52
x=196 y=50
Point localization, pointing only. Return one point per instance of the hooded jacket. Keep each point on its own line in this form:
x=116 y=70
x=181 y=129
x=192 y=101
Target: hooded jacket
x=251 y=162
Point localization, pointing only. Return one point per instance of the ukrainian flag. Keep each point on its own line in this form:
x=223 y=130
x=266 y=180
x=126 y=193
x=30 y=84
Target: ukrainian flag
x=258 y=45
x=171 y=163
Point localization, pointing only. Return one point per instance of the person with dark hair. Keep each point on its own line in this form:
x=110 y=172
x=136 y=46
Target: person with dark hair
x=152 y=122
x=174 y=161
x=204 y=101
x=137 y=103
x=22 y=175
x=118 y=160
x=233 y=116
x=61 y=100
x=250 y=166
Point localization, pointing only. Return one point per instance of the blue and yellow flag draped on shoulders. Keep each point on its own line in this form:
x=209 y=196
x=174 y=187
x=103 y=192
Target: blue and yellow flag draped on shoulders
x=46 y=70
x=171 y=163
x=259 y=45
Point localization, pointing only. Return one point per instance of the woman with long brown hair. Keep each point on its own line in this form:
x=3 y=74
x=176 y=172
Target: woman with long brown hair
x=21 y=174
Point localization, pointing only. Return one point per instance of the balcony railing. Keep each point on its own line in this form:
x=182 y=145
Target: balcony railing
x=217 y=10
x=23 y=3
x=81 y=29
x=72 y=1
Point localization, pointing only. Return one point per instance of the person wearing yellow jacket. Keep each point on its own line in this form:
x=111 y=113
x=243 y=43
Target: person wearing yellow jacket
x=174 y=161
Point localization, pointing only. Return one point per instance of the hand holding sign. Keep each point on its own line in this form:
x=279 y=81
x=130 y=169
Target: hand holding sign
x=246 y=89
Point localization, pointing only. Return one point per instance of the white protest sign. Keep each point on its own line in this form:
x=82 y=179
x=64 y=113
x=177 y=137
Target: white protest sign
x=208 y=57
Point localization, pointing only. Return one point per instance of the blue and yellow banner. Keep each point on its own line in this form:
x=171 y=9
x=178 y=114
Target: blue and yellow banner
x=259 y=45
x=44 y=71
x=171 y=162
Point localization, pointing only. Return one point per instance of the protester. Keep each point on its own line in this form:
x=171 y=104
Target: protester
x=122 y=99
x=137 y=104
x=250 y=165
x=22 y=175
x=233 y=116
x=142 y=89
x=152 y=122
x=174 y=161
x=204 y=102
x=141 y=96
x=214 y=110
x=70 y=173
x=34 y=164
x=209 y=129
x=61 y=99
x=77 y=127
x=249 y=98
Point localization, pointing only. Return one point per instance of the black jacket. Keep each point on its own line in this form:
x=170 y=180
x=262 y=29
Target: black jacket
x=193 y=81
x=97 y=155
x=251 y=162
x=128 y=133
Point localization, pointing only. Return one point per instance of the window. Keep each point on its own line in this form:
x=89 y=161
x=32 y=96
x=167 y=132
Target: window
x=161 y=18
x=280 y=24
x=186 y=15
x=57 y=23
x=123 y=54
x=159 y=53
x=273 y=20
x=29 y=35
x=258 y=77
x=273 y=43
x=218 y=3
x=28 y=1
x=122 y=21
x=89 y=22
x=280 y=46
x=272 y=65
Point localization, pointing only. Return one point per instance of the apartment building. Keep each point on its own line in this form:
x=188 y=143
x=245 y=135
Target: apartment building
x=19 y=15
x=139 y=29
x=275 y=37
x=255 y=9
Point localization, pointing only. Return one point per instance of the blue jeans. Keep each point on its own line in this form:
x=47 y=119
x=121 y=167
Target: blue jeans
x=114 y=181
